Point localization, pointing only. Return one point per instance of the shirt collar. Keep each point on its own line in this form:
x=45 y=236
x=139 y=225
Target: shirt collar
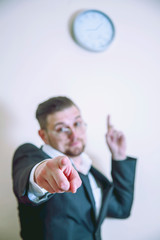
x=86 y=161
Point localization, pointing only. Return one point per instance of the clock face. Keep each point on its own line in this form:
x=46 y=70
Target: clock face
x=93 y=30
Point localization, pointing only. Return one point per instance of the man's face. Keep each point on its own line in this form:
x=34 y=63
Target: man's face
x=66 y=131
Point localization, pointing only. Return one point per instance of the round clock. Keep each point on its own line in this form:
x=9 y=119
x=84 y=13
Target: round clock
x=93 y=30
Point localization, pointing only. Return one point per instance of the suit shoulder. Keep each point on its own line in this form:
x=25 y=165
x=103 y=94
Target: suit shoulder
x=26 y=147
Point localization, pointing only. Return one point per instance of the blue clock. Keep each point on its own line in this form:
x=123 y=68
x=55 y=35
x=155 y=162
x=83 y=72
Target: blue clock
x=93 y=30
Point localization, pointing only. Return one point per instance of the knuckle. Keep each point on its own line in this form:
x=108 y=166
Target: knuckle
x=43 y=172
x=63 y=186
x=39 y=180
x=49 y=163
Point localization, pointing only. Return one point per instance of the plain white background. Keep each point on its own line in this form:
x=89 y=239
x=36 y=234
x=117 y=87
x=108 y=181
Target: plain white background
x=39 y=59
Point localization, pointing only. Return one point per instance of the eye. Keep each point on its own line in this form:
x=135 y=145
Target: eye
x=78 y=124
x=59 y=130
x=65 y=130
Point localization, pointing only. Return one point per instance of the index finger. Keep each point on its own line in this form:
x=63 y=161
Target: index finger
x=109 y=126
x=75 y=181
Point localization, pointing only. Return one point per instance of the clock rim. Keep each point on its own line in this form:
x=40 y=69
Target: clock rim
x=83 y=45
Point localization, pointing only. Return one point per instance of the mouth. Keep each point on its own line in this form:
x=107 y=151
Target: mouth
x=75 y=148
x=75 y=143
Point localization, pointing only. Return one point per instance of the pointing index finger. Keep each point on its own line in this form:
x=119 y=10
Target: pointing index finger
x=109 y=126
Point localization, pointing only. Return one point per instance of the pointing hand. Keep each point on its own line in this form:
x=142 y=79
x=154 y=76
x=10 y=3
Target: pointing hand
x=116 y=142
x=57 y=175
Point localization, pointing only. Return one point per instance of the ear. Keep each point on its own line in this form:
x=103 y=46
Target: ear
x=43 y=135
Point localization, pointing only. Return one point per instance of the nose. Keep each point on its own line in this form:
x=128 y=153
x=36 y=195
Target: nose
x=72 y=134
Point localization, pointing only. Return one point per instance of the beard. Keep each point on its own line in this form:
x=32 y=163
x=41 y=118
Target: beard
x=75 y=152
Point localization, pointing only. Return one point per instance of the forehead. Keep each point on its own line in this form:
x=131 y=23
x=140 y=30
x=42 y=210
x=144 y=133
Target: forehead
x=65 y=116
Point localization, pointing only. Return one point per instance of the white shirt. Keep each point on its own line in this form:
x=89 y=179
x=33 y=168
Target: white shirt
x=38 y=194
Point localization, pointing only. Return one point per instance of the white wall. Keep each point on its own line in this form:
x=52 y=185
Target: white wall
x=39 y=60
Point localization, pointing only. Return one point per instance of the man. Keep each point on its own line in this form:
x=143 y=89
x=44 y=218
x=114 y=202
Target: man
x=60 y=195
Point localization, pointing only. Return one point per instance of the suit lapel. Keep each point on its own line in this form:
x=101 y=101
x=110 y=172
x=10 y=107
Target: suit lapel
x=88 y=189
x=106 y=191
x=105 y=205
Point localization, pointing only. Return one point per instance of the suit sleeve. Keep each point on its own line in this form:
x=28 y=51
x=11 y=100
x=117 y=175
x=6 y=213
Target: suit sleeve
x=24 y=159
x=123 y=175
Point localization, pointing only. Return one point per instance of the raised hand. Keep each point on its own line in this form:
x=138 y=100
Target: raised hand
x=116 y=142
x=57 y=175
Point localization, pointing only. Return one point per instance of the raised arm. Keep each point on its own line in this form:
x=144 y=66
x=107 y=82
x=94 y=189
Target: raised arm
x=123 y=174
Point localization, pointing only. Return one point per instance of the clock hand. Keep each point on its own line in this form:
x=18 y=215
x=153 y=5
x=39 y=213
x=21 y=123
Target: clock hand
x=94 y=28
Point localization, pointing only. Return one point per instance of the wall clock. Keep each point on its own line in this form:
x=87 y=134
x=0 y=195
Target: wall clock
x=93 y=30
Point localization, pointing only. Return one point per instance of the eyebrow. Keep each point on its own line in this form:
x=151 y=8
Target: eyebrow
x=62 y=123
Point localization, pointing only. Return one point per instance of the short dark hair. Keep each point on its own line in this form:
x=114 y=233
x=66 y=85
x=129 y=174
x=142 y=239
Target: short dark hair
x=50 y=106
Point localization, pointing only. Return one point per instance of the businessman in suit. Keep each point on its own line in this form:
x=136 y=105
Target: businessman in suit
x=60 y=195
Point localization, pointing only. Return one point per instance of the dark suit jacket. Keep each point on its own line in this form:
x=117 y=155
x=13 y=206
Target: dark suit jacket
x=70 y=216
